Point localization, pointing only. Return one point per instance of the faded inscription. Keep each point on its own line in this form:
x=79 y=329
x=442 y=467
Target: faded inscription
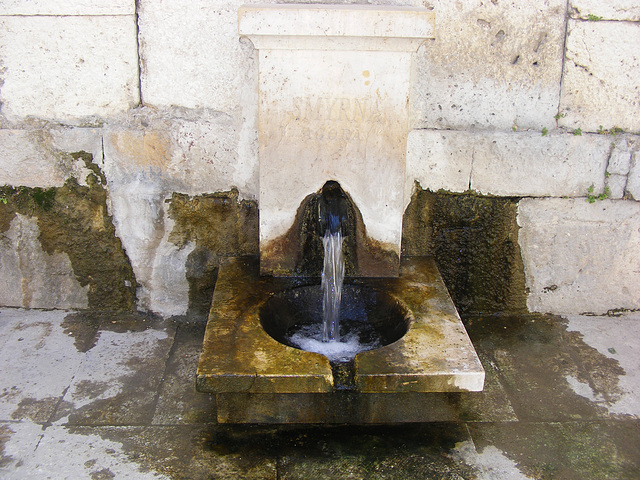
x=332 y=119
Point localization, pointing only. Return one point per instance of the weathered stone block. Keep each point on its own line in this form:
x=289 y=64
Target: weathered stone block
x=616 y=185
x=528 y=164
x=42 y=158
x=177 y=70
x=493 y=64
x=68 y=68
x=610 y=10
x=579 y=256
x=180 y=154
x=33 y=278
x=600 y=85
x=68 y=7
x=144 y=166
x=439 y=160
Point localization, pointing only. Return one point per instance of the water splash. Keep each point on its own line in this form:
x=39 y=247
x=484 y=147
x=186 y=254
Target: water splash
x=332 y=280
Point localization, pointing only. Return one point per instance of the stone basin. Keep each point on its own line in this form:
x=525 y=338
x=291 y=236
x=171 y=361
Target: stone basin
x=257 y=379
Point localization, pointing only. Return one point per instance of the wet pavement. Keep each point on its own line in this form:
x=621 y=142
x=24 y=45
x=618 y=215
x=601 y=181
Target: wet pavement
x=100 y=396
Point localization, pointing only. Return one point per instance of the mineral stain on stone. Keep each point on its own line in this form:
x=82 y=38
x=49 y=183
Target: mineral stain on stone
x=73 y=219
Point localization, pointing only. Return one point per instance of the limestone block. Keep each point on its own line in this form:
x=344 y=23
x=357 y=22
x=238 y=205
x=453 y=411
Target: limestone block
x=492 y=64
x=191 y=55
x=67 y=7
x=180 y=155
x=600 y=86
x=41 y=158
x=609 y=10
x=439 y=160
x=68 y=68
x=580 y=257
x=33 y=278
x=507 y=164
x=529 y=164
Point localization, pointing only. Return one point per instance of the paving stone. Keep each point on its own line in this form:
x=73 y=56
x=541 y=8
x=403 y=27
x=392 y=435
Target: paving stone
x=38 y=361
x=374 y=453
x=190 y=452
x=603 y=334
x=571 y=451
x=600 y=87
x=178 y=402
x=533 y=357
x=118 y=380
x=61 y=453
x=18 y=442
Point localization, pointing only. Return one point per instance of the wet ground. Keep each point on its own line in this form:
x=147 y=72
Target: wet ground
x=112 y=396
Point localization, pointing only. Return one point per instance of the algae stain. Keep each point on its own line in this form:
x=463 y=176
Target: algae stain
x=474 y=240
x=220 y=225
x=73 y=219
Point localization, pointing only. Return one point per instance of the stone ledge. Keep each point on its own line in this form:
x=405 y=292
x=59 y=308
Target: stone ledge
x=508 y=164
x=335 y=27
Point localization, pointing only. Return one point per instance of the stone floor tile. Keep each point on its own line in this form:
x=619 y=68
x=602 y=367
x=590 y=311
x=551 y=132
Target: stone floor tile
x=537 y=360
x=38 y=361
x=189 y=452
x=569 y=450
x=416 y=451
x=120 y=375
x=179 y=402
x=614 y=340
x=64 y=454
x=18 y=441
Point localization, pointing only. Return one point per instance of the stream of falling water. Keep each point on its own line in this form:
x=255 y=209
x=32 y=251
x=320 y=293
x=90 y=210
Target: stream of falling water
x=332 y=279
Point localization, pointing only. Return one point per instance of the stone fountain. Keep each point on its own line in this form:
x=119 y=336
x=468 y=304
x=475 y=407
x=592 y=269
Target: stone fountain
x=334 y=86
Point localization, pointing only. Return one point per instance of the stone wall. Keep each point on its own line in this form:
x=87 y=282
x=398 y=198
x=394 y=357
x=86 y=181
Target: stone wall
x=535 y=103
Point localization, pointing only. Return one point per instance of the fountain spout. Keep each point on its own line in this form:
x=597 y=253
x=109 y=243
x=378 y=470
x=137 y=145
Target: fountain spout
x=332 y=208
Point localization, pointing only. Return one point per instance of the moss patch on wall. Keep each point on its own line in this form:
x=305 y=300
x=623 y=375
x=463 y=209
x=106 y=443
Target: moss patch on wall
x=474 y=240
x=73 y=219
x=220 y=225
